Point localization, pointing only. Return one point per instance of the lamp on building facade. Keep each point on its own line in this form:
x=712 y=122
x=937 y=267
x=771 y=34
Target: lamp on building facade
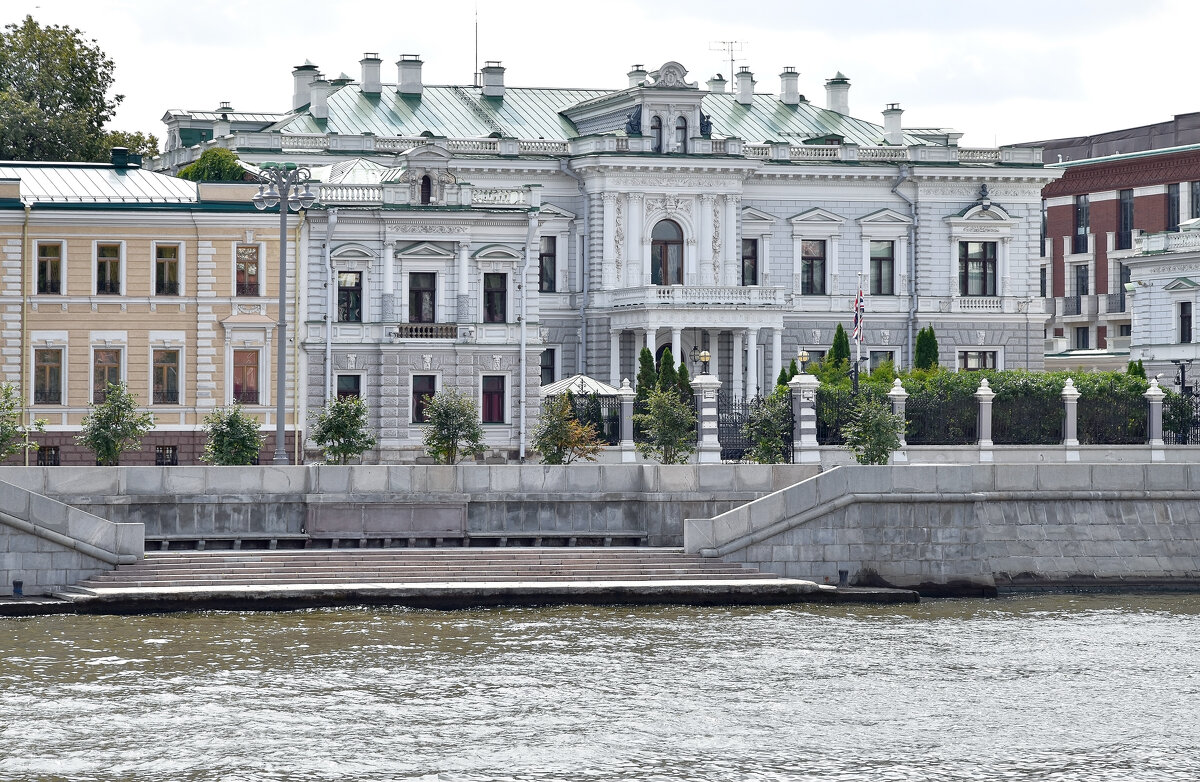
x=286 y=186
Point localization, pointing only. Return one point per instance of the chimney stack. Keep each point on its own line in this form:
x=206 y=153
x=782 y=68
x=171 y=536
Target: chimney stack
x=716 y=83
x=408 y=70
x=318 y=104
x=637 y=75
x=371 y=84
x=892 y=133
x=837 y=94
x=493 y=79
x=789 y=86
x=302 y=79
x=745 y=86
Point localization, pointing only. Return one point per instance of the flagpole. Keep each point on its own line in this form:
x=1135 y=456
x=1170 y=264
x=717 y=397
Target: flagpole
x=859 y=313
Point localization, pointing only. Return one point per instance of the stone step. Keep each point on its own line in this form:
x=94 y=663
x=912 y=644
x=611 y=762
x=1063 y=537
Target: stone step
x=426 y=579
x=132 y=572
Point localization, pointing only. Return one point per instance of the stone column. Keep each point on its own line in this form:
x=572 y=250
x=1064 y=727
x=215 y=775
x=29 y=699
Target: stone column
x=984 y=396
x=704 y=240
x=708 y=449
x=1154 y=395
x=463 y=303
x=1070 y=397
x=899 y=399
x=804 y=410
x=614 y=357
x=633 y=208
x=607 y=263
x=388 y=299
x=764 y=261
x=676 y=344
x=776 y=356
x=729 y=253
x=651 y=340
x=627 y=395
x=736 y=366
x=752 y=363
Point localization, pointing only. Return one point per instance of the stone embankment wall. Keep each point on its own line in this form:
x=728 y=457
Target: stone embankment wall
x=47 y=545
x=973 y=529
x=646 y=502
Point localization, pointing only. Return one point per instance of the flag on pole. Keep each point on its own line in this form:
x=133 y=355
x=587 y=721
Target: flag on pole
x=859 y=310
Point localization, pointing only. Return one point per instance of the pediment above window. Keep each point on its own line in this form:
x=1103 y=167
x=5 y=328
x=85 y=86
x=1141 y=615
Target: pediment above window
x=552 y=212
x=817 y=222
x=424 y=250
x=1181 y=284
x=885 y=217
x=497 y=252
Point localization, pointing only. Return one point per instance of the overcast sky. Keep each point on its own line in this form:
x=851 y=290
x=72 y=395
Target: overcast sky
x=1001 y=72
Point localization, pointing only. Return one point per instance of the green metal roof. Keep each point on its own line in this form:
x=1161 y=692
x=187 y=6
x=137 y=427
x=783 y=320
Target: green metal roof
x=534 y=113
x=96 y=183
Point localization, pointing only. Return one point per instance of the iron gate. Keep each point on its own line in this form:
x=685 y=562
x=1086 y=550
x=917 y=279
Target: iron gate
x=732 y=415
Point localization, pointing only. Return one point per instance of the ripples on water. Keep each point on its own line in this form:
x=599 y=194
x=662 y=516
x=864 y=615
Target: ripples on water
x=1052 y=687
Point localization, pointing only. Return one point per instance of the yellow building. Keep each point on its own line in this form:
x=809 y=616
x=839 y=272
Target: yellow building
x=110 y=273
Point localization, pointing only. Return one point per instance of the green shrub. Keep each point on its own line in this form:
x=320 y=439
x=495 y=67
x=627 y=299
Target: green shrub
x=231 y=437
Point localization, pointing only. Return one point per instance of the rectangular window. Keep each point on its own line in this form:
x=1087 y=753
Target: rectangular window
x=349 y=385
x=548 y=366
x=495 y=298
x=547 y=264
x=1125 y=330
x=245 y=377
x=883 y=268
x=812 y=267
x=47 y=456
x=247 y=279
x=1173 y=207
x=974 y=360
x=166 y=270
x=1125 y=220
x=1185 y=321
x=493 y=399
x=1043 y=280
x=1079 y=242
x=422 y=289
x=49 y=268
x=1081 y=280
x=350 y=293
x=166 y=456
x=423 y=387
x=749 y=262
x=106 y=370
x=47 y=376
x=1082 y=341
x=166 y=377
x=880 y=356
x=108 y=269
x=1042 y=243
x=977 y=268
x=1194 y=208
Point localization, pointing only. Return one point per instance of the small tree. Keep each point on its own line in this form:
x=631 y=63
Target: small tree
x=668 y=375
x=453 y=429
x=873 y=432
x=686 y=393
x=840 y=350
x=926 y=349
x=669 y=426
x=559 y=436
x=214 y=165
x=14 y=435
x=1136 y=369
x=769 y=427
x=231 y=437
x=114 y=426
x=647 y=376
x=341 y=429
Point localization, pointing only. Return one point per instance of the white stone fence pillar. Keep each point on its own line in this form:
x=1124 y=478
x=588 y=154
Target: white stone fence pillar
x=804 y=416
x=626 y=395
x=708 y=447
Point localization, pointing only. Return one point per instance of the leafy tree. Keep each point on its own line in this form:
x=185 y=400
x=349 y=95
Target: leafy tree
x=341 y=429
x=926 y=349
x=142 y=144
x=647 y=376
x=559 y=436
x=769 y=427
x=114 y=425
x=873 y=432
x=231 y=437
x=669 y=426
x=1136 y=369
x=787 y=373
x=686 y=393
x=14 y=435
x=214 y=165
x=53 y=93
x=668 y=375
x=453 y=428
x=840 y=350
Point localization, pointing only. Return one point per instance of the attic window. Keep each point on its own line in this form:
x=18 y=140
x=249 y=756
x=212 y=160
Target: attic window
x=426 y=189
x=656 y=134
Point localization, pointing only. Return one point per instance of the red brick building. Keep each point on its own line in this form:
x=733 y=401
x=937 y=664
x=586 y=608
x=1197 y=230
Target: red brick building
x=1090 y=219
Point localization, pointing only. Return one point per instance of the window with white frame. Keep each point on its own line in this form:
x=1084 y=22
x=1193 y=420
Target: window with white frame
x=424 y=387
x=49 y=267
x=106 y=371
x=812 y=267
x=349 y=385
x=492 y=399
x=247 y=270
x=975 y=360
x=977 y=268
x=166 y=376
x=245 y=377
x=749 y=261
x=422 y=297
x=548 y=366
x=350 y=297
x=495 y=297
x=547 y=264
x=48 y=376
x=108 y=268
x=883 y=268
x=166 y=269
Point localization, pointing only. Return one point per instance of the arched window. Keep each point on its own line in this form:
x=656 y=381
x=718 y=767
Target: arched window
x=426 y=189
x=656 y=134
x=666 y=254
x=681 y=134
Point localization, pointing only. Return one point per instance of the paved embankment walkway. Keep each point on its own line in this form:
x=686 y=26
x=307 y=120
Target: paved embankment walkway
x=443 y=578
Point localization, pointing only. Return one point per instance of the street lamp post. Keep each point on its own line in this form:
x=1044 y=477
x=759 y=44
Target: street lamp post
x=286 y=185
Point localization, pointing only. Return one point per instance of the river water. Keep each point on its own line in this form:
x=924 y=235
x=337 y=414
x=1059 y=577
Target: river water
x=1046 y=687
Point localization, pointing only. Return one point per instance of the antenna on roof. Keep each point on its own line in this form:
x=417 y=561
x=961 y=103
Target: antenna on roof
x=729 y=47
x=477 y=80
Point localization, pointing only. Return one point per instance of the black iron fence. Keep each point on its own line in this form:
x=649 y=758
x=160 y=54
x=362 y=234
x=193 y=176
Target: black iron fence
x=834 y=407
x=935 y=420
x=602 y=413
x=1022 y=420
x=733 y=432
x=1112 y=420
x=1181 y=419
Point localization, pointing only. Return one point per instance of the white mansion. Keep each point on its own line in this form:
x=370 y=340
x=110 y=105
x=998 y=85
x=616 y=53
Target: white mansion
x=494 y=238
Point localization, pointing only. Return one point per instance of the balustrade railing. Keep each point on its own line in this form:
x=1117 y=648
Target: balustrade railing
x=425 y=331
x=698 y=296
x=1072 y=305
